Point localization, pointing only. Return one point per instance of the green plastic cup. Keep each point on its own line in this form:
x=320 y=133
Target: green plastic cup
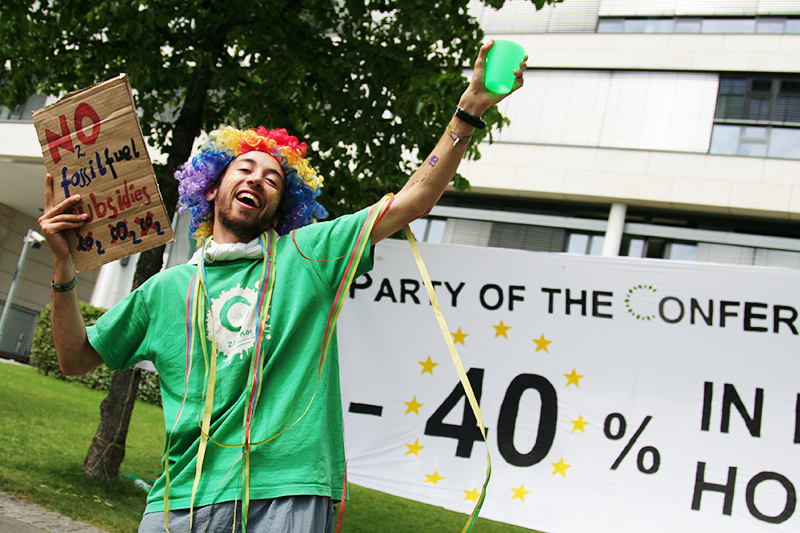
x=501 y=62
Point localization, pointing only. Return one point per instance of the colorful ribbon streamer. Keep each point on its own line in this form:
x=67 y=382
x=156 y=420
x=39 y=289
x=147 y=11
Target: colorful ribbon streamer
x=198 y=304
x=473 y=402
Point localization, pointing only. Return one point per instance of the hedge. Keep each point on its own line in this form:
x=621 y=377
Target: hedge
x=43 y=357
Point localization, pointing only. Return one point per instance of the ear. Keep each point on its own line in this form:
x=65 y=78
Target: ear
x=211 y=193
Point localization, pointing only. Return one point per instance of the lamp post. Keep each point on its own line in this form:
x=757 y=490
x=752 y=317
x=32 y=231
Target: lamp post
x=31 y=239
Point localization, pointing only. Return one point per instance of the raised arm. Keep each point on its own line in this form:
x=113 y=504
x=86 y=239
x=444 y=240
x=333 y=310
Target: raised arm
x=428 y=183
x=75 y=355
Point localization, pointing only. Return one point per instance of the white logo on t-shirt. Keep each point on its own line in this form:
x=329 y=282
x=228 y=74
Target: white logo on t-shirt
x=233 y=315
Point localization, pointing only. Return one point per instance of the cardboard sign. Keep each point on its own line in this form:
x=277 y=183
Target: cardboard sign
x=93 y=146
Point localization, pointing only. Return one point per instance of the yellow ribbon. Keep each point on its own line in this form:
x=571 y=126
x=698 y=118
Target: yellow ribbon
x=200 y=292
x=198 y=319
x=462 y=375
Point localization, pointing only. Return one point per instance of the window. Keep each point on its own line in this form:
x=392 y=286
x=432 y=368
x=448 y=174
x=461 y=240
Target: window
x=428 y=229
x=727 y=25
x=770 y=26
x=585 y=243
x=732 y=93
x=649 y=26
x=784 y=143
x=753 y=141
x=652 y=233
x=22 y=113
x=767 y=99
x=524 y=237
x=610 y=25
x=632 y=247
x=715 y=25
x=760 y=100
x=658 y=248
x=746 y=255
x=787 y=102
x=681 y=251
x=725 y=140
x=757 y=116
x=688 y=25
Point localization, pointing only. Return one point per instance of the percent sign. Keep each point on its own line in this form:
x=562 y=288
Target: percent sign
x=621 y=425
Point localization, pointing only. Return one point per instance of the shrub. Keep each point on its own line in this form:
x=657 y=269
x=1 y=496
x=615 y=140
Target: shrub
x=43 y=357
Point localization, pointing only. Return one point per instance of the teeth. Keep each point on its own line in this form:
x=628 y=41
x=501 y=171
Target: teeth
x=252 y=198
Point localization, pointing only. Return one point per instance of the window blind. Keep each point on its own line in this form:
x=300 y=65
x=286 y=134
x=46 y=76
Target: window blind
x=650 y=8
x=613 y=109
x=530 y=238
x=521 y=16
x=777 y=258
x=724 y=253
x=465 y=231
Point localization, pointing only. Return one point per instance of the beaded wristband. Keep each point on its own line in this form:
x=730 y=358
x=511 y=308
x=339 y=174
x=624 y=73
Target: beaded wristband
x=65 y=287
x=456 y=139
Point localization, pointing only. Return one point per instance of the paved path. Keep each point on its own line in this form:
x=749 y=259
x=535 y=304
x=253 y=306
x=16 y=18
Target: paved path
x=20 y=516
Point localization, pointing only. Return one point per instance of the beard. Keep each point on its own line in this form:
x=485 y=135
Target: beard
x=244 y=227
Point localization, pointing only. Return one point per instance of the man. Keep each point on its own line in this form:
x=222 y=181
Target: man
x=258 y=432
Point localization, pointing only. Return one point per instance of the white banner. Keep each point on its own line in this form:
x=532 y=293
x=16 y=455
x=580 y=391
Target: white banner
x=620 y=395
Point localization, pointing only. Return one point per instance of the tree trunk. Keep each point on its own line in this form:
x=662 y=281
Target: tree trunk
x=108 y=446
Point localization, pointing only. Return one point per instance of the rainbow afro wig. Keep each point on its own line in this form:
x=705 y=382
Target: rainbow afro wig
x=196 y=176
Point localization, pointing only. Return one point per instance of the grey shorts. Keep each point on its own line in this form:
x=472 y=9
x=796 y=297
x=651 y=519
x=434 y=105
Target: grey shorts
x=292 y=514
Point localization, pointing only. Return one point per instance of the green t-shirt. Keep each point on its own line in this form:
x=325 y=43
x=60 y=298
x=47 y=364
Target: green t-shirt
x=150 y=324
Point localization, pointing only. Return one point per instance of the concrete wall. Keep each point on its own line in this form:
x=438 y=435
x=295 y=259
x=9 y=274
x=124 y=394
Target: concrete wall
x=33 y=291
x=684 y=52
x=696 y=182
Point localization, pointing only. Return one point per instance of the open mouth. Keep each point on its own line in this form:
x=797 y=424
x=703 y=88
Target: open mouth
x=248 y=199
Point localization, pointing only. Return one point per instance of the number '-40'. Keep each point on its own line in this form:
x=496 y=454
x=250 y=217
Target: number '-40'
x=468 y=432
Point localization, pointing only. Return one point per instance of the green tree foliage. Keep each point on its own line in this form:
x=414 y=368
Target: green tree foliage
x=43 y=357
x=368 y=81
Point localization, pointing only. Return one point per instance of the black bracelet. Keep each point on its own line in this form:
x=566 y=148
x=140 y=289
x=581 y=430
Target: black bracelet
x=472 y=120
x=65 y=287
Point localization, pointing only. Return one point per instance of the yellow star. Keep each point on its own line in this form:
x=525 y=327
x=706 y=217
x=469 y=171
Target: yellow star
x=427 y=366
x=458 y=336
x=413 y=406
x=579 y=424
x=520 y=492
x=572 y=378
x=433 y=478
x=501 y=329
x=560 y=467
x=414 y=448
x=541 y=343
x=472 y=494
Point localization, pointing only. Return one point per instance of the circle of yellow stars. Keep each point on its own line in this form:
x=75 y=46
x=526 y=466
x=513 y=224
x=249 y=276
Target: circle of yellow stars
x=630 y=295
x=428 y=366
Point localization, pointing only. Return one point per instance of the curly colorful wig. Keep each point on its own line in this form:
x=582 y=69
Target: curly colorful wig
x=199 y=174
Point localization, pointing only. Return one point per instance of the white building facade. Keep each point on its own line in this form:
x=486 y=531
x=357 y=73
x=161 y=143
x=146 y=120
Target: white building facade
x=649 y=128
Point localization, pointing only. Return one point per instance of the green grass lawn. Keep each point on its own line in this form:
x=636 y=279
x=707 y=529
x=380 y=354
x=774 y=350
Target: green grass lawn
x=48 y=425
